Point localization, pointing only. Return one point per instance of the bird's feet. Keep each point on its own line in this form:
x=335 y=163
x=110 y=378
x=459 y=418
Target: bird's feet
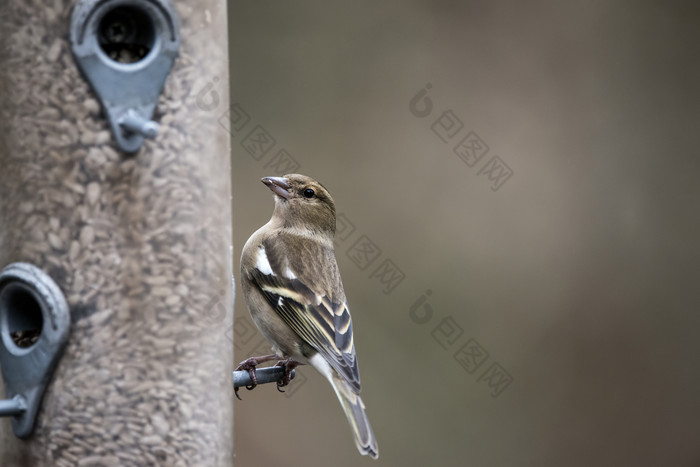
x=288 y=365
x=249 y=365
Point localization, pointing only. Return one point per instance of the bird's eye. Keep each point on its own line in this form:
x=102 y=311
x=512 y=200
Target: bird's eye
x=309 y=193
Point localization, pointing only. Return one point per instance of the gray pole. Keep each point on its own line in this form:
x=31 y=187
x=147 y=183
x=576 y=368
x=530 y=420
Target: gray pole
x=139 y=244
x=12 y=407
x=271 y=374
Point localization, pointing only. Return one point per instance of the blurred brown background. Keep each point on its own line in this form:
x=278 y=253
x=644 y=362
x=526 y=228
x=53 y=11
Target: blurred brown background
x=562 y=323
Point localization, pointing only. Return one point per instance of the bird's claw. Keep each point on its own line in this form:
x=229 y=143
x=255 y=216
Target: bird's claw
x=288 y=365
x=249 y=366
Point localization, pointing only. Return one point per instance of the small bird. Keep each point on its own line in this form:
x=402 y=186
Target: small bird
x=292 y=287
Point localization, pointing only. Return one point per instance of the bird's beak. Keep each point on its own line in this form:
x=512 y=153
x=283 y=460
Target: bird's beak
x=278 y=185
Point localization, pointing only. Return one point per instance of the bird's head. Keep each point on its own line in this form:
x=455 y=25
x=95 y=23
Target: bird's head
x=301 y=202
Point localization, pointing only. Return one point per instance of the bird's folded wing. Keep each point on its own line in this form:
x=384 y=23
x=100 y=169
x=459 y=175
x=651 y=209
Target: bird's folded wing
x=324 y=324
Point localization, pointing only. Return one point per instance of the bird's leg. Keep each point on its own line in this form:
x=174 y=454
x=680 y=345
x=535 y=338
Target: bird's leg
x=249 y=365
x=288 y=365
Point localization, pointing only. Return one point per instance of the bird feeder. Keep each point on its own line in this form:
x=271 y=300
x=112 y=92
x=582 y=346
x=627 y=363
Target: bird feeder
x=115 y=196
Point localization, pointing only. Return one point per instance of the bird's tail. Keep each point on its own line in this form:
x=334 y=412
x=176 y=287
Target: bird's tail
x=354 y=410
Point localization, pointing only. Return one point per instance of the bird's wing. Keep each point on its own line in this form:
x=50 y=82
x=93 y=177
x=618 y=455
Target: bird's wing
x=309 y=298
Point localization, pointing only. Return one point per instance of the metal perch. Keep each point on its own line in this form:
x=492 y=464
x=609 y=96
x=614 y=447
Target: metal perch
x=265 y=375
x=12 y=407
